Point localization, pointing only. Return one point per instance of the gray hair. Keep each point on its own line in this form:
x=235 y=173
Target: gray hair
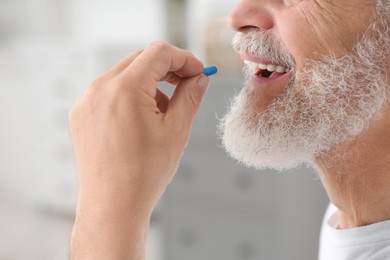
x=383 y=17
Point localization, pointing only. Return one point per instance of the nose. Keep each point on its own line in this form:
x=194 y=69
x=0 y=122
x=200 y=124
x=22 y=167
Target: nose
x=251 y=14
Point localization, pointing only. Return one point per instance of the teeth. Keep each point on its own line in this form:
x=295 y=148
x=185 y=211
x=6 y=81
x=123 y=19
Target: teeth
x=269 y=67
x=280 y=69
x=262 y=66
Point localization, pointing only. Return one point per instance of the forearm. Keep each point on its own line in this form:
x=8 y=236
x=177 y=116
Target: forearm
x=113 y=229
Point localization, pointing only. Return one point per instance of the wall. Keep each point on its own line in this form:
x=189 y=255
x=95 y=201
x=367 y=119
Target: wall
x=49 y=51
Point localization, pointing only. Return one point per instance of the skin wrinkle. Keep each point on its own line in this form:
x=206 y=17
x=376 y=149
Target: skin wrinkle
x=312 y=28
x=330 y=15
x=327 y=66
x=339 y=179
x=334 y=114
x=328 y=114
x=360 y=202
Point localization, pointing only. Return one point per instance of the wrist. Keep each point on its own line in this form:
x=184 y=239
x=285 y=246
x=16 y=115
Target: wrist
x=109 y=228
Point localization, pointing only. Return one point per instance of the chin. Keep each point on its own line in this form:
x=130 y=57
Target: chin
x=277 y=160
x=251 y=150
x=255 y=141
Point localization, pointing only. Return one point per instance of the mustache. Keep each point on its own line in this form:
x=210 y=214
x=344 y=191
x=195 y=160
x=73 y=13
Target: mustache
x=263 y=44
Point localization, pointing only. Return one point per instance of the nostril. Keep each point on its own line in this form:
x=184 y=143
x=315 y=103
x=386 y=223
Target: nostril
x=249 y=14
x=246 y=28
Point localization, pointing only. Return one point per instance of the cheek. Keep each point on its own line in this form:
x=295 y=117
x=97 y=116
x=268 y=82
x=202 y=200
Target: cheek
x=309 y=33
x=298 y=37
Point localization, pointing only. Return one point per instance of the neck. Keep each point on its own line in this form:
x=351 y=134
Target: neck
x=356 y=176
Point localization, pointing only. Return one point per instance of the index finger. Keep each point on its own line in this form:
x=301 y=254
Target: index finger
x=159 y=59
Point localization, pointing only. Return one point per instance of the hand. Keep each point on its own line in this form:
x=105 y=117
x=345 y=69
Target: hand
x=128 y=139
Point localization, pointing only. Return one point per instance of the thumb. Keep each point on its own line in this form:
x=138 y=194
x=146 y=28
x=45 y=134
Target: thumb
x=186 y=99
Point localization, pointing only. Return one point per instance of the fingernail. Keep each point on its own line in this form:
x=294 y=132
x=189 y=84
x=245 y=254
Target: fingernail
x=203 y=83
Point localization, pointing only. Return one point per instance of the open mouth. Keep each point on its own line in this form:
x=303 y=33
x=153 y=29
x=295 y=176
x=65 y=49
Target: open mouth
x=267 y=70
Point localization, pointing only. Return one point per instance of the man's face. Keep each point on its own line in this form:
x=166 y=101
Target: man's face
x=316 y=77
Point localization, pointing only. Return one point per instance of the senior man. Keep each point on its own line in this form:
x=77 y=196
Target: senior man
x=317 y=93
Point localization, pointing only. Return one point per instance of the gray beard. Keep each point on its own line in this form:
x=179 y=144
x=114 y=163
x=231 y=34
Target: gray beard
x=332 y=100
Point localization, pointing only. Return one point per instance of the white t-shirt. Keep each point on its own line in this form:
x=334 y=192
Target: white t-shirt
x=370 y=242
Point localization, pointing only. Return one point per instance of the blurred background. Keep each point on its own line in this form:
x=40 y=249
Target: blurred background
x=214 y=209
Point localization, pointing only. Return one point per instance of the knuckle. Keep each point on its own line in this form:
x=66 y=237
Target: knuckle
x=160 y=53
x=71 y=114
x=96 y=86
x=86 y=98
x=89 y=94
x=194 y=101
x=74 y=112
x=160 y=45
x=137 y=52
x=190 y=54
x=98 y=82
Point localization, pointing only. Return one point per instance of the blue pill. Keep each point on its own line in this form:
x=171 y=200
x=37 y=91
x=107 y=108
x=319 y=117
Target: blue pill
x=210 y=70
